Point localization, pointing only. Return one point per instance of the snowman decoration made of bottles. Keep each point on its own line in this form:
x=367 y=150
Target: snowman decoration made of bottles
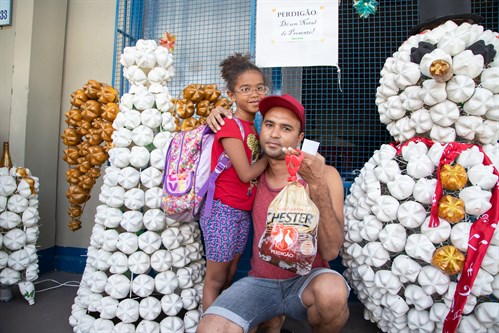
x=144 y=272
x=421 y=246
x=19 y=231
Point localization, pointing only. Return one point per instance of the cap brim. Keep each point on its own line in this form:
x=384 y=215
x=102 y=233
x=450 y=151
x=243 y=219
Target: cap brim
x=438 y=20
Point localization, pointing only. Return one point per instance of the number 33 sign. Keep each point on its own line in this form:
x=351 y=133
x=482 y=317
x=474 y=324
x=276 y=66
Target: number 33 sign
x=5 y=12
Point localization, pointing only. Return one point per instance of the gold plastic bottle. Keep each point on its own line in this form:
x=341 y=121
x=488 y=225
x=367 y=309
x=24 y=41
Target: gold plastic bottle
x=6 y=161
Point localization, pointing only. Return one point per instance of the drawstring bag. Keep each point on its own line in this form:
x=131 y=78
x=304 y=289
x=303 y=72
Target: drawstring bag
x=290 y=237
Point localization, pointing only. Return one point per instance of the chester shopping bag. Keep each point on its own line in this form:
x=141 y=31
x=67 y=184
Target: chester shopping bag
x=290 y=237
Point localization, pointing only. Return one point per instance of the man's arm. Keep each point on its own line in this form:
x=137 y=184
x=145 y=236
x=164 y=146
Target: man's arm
x=326 y=191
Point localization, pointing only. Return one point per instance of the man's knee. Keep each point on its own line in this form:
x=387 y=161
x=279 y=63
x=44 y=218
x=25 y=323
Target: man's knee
x=327 y=297
x=326 y=290
x=337 y=295
x=331 y=305
x=213 y=323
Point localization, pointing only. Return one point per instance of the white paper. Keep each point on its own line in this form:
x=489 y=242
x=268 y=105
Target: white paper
x=292 y=33
x=310 y=146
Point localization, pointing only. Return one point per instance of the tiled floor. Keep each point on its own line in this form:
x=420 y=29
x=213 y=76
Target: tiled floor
x=51 y=311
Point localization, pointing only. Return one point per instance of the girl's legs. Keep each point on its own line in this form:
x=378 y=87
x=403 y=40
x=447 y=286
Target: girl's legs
x=218 y=277
x=215 y=280
x=232 y=270
x=225 y=234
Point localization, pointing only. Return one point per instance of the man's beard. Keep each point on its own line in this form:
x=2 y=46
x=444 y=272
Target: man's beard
x=274 y=154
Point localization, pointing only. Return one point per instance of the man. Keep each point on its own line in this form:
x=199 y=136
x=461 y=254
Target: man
x=269 y=291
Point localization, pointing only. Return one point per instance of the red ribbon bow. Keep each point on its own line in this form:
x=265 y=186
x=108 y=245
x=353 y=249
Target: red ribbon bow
x=293 y=164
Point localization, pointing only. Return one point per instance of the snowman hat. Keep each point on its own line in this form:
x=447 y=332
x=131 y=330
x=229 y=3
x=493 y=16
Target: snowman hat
x=433 y=13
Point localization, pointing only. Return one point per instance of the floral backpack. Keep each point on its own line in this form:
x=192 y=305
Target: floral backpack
x=187 y=177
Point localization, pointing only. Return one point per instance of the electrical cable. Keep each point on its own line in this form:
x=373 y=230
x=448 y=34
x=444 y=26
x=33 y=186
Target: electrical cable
x=59 y=284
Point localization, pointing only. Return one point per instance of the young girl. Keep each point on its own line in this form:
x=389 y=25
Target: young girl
x=225 y=228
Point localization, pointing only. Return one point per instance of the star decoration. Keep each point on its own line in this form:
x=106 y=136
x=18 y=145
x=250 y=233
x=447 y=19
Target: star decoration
x=365 y=7
x=169 y=41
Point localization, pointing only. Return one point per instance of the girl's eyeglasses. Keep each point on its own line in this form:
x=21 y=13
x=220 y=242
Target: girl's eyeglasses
x=260 y=90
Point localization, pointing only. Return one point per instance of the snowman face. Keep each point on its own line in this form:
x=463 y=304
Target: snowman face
x=439 y=84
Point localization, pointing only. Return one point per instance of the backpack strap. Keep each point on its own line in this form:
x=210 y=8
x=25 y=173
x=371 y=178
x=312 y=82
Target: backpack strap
x=223 y=163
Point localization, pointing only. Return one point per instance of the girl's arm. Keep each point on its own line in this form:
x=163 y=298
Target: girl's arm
x=237 y=155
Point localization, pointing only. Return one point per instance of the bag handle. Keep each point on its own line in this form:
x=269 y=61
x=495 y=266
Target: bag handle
x=243 y=134
x=222 y=164
x=293 y=164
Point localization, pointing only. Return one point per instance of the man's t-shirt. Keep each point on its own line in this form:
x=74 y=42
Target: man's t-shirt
x=229 y=189
x=259 y=267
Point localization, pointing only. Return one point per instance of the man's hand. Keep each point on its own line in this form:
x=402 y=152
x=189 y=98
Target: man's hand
x=215 y=119
x=312 y=167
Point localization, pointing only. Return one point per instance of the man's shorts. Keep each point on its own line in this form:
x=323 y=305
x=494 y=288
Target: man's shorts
x=225 y=232
x=251 y=301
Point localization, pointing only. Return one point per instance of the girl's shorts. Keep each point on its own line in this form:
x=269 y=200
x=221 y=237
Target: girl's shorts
x=225 y=232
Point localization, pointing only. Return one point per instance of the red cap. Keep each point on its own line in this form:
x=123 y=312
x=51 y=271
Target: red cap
x=284 y=101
